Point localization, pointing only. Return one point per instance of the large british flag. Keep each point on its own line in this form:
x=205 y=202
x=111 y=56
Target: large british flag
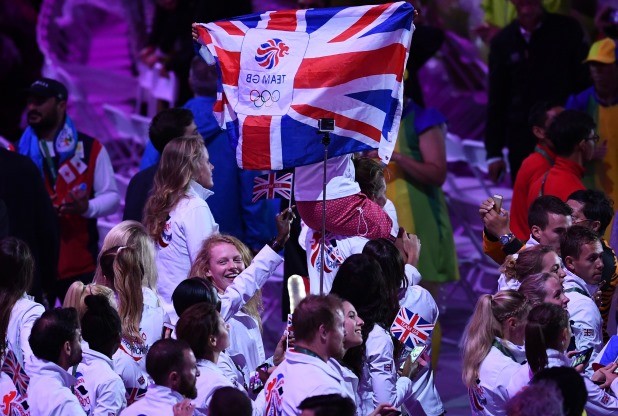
x=283 y=71
x=410 y=328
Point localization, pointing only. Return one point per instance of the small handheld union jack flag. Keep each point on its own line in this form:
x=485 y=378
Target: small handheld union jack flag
x=411 y=329
x=271 y=185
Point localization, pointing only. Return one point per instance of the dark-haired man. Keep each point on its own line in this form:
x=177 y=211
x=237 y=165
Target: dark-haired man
x=309 y=369
x=78 y=175
x=581 y=253
x=55 y=342
x=548 y=219
x=173 y=368
x=594 y=210
x=574 y=139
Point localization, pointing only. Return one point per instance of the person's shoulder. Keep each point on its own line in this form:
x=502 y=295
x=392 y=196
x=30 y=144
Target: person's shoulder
x=144 y=176
x=15 y=161
x=505 y=35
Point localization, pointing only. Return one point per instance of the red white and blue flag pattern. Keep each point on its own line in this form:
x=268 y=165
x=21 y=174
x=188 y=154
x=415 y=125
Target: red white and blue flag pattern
x=271 y=185
x=411 y=329
x=280 y=72
x=12 y=368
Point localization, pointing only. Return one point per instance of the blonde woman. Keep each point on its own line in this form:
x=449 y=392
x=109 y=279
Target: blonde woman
x=176 y=215
x=141 y=324
x=78 y=291
x=492 y=349
x=131 y=233
x=531 y=260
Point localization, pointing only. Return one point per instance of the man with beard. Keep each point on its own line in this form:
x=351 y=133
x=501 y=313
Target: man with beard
x=55 y=343
x=582 y=252
x=172 y=366
x=78 y=176
x=309 y=369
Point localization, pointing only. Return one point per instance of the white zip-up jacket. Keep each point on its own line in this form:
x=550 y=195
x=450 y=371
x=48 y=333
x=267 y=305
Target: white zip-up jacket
x=158 y=401
x=246 y=347
x=587 y=322
x=489 y=396
x=600 y=403
x=99 y=389
x=130 y=360
x=300 y=376
x=379 y=382
x=189 y=224
x=49 y=391
x=23 y=315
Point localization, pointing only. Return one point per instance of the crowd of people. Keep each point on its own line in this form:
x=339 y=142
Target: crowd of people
x=165 y=317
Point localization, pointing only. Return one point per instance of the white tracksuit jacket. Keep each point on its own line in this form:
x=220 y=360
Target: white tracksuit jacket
x=49 y=391
x=99 y=389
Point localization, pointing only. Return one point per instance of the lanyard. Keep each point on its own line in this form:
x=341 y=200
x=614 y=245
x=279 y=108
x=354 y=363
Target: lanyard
x=50 y=163
x=307 y=352
x=503 y=350
x=578 y=290
x=543 y=153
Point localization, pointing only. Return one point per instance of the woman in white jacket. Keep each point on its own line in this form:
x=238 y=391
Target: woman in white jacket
x=492 y=350
x=17 y=314
x=203 y=328
x=142 y=321
x=361 y=282
x=548 y=334
x=418 y=300
x=176 y=215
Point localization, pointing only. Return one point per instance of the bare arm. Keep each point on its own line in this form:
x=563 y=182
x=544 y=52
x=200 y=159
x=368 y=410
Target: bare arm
x=432 y=171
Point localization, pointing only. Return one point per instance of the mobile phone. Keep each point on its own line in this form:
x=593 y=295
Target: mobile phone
x=414 y=353
x=167 y=330
x=290 y=330
x=581 y=357
x=497 y=202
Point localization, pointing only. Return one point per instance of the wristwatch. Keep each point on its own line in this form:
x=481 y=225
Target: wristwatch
x=506 y=238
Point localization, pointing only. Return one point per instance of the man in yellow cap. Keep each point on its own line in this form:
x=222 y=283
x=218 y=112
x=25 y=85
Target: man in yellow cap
x=601 y=102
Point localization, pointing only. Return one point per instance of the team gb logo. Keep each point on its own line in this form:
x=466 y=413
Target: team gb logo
x=269 y=52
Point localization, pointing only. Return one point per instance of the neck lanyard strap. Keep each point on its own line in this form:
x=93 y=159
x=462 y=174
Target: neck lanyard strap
x=503 y=349
x=50 y=162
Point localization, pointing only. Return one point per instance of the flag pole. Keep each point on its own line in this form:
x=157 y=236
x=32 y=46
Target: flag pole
x=325 y=142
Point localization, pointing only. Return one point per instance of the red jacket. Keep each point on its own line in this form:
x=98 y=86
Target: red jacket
x=532 y=168
x=564 y=178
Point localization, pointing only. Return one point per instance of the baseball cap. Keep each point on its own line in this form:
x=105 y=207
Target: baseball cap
x=603 y=51
x=47 y=88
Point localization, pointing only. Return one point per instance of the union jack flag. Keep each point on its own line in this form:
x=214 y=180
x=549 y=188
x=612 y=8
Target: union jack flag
x=271 y=185
x=280 y=72
x=410 y=328
x=12 y=368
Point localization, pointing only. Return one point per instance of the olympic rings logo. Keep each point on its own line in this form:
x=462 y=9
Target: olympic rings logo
x=265 y=98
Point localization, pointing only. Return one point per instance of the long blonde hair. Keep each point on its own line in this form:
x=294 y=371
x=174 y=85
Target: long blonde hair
x=78 y=291
x=130 y=233
x=485 y=325
x=122 y=265
x=201 y=267
x=179 y=164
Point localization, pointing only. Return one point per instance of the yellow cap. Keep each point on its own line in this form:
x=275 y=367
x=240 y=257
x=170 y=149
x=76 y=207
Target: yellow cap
x=603 y=51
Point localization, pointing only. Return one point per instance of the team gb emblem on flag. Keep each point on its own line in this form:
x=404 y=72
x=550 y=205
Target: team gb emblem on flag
x=268 y=53
x=410 y=328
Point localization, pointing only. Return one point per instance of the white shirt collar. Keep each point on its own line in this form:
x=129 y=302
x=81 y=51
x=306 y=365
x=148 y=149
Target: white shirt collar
x=574 y=280
x=198 y=190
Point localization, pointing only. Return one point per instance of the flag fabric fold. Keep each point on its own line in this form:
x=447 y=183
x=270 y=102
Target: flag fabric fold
x=280 y=72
